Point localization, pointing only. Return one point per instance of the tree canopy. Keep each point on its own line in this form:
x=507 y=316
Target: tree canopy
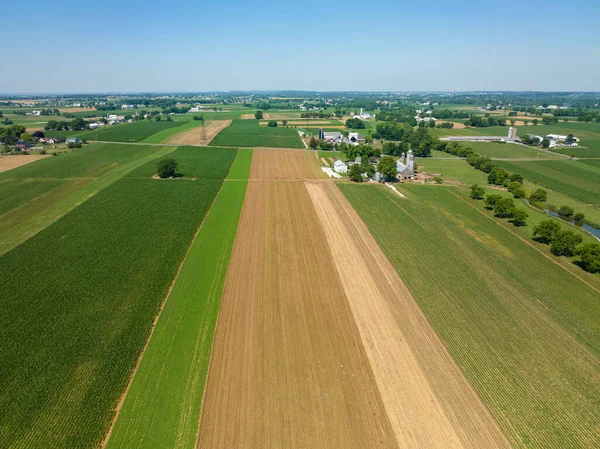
x=167 y=168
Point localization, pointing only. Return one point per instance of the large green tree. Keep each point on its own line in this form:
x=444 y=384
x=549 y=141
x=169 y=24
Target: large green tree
x=565 y=243
x=167 y=168
x=546 y=231
x=590 y=257
x=387 y=167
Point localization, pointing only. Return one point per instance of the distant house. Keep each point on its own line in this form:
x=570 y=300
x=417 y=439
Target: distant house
x=23 y=145
x=94 y=125
x=72 y=140
x=340 y=166
x=355 y=138
x=197 y=108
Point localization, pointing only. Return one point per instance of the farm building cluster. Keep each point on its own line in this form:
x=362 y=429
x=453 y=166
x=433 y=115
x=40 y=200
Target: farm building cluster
x=510 y=138
x=405 y=166
x=557 y=140
x=338 y=137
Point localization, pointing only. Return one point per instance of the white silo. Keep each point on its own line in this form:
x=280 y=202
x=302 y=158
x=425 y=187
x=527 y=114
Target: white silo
x=410 y=160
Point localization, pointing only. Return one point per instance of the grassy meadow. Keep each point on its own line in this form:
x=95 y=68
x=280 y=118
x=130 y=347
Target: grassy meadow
x=162 y=407
x=247 y=133
x=524 y=330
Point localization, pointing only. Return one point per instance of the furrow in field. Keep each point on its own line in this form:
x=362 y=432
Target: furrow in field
x=429 y=401
x=288 y=368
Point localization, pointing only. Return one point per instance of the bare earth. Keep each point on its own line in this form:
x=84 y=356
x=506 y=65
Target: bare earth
x=319 y=344
x=10 y=162
x=200 y=135
x=288 y=369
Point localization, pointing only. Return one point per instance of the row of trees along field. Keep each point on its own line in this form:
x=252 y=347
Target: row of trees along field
x=562 y=242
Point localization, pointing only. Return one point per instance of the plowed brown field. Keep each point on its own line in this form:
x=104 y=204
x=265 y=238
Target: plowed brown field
x=288 y=369
x=319 y=344
x=200 y=135
x=10 y=162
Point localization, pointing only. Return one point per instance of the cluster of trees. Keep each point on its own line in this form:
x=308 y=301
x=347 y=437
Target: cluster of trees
x=445 y=125
x=420 y=141
x=484 y=122
x=566 y=243
x=316 y=114
x=10 y=136
x=167 y=168
x=77 y=124
x=502 y=207
x=446 y=114
x=357 y=172
x=258 y=115
x=272 y=124
x=355 y=123
x=198 y=117
x=175 y=110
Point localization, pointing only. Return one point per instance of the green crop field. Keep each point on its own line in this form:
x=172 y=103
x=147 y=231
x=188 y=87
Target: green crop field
x=29 y=189
x=510 y=151
x=572 y=178
x=101 y=273
x=247 y=133
x=125 y=132
x=525 y=331
x=194 y=162
x=162 y=407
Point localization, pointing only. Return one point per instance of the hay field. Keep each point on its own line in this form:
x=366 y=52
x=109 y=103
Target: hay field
x=300 y=360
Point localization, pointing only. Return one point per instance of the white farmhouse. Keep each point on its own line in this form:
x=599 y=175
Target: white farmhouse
x=340 y=166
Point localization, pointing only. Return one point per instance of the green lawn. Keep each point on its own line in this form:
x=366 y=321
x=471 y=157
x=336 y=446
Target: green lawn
x=194 y=162
x=240 y=169
x=452 y=169
x=525 y=331
x=247 y=133
x=572 y=178
x=510 y=151
x=71 y=334
x=162 y=407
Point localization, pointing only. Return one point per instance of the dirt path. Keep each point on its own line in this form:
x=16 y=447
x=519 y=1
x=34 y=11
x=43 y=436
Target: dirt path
x=10 y=162
x=429 y=401
x=200 y=135
x=288 y=369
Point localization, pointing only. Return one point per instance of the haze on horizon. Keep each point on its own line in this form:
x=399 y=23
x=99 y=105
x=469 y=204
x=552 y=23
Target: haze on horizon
x=184 y=46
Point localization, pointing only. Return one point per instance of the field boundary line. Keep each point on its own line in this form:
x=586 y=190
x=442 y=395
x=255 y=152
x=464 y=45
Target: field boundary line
x=141 y=356
x=212 y=345
x=529 y=244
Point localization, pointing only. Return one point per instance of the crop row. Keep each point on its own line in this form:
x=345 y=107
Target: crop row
x=247 y=133
x=525 y=331
x=78 y=301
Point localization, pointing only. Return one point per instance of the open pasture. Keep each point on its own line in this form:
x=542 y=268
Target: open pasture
x=524 y=330
x=102 y=272
x=572 y=178
x=162 y=406
x=194 y=162
x=247 y=133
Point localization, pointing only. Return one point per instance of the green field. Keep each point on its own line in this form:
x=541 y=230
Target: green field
x=510 y=151
x=101 y=273
x=29 y=189
x=525 y=331
x=125 y=132
x=162 y=407
x=572 y=178
x=247 y=133
x=194 y=162
x=452 y=170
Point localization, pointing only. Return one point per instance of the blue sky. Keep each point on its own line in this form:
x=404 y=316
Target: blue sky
x=135 y=46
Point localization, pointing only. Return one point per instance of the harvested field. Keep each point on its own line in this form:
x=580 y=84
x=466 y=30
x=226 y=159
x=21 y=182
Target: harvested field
x=279 y=164
x=200 y=135
x=429 y=401
x=457 y=125
x=10 y=162
x=288 y=369
x=248 y=117
x=325 y=162
x=266 y=116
